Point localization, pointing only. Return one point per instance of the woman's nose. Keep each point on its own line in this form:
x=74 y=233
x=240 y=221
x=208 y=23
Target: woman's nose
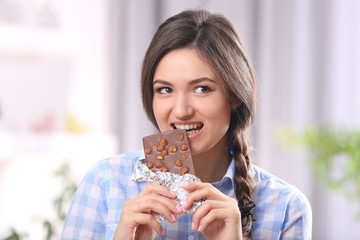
x=183 y=108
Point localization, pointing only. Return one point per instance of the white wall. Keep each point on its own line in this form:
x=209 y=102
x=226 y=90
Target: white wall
x=61 y=67
x=53 y=64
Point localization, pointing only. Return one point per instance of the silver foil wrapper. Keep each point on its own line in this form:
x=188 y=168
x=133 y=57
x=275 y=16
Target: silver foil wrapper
x=171 y=180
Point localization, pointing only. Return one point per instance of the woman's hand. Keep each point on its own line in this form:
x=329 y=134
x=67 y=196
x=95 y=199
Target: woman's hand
x=218 y=217
x=137 y=219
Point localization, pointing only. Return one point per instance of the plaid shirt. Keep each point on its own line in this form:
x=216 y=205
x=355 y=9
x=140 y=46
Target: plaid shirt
x=281 y=212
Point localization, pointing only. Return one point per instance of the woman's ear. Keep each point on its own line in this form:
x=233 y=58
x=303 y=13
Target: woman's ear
x=235 y=102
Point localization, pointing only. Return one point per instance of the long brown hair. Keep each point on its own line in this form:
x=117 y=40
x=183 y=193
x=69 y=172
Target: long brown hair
x=217 y=40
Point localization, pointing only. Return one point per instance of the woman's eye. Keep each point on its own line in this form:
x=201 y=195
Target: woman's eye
x=202 y=89
x=164 y=90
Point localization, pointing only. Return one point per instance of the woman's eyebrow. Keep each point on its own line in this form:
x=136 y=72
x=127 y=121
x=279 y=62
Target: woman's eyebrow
x=159 y=81
x=200 y=80
x=192 y=82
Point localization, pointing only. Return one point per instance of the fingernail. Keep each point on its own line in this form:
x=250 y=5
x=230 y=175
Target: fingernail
x=179 y=208
x=163 y=233
x=173 y=218
x=199 y=229
x=173 y=193
x=193 y=226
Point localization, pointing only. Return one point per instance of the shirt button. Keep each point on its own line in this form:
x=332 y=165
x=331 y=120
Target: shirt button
x=191 y=237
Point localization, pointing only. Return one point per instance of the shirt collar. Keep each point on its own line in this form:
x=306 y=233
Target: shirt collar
x=228 y=177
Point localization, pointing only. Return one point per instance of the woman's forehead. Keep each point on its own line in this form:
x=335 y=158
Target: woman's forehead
x=183 y=63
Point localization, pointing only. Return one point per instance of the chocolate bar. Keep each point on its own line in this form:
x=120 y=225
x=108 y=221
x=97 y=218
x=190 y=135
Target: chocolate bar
x=169 y=152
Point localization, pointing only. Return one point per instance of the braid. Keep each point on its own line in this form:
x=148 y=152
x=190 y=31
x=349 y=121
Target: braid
x=243 y=182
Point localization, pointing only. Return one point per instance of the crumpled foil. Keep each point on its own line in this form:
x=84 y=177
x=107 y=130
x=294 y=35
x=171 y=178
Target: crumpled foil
x=171 y=180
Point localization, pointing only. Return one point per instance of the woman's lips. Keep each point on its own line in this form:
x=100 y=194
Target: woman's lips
x=193 y=129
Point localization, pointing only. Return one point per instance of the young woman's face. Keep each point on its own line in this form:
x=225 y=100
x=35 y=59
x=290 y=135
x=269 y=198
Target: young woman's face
x=189 y=95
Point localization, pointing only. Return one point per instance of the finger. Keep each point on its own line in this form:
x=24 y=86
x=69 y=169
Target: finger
x=157 y=192
x=194 y=186
x=201 y=191
x=204 y=209
x=158 y=189
x=215 y=210
x=148 y=219
x=214 y=214
x=160 y=205
x=169 y=203
x=144 y=232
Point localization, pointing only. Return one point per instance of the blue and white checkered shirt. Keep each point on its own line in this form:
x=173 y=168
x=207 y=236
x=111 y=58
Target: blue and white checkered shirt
x=281 y=212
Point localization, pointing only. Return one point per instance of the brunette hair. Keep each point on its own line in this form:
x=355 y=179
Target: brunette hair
x=217 y=40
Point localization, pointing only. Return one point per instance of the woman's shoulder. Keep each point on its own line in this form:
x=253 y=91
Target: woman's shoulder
x=272 y=189
x=281 y=204
x=264 y=179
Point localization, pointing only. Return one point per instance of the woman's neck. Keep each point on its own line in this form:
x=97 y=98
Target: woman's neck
x=212 y=165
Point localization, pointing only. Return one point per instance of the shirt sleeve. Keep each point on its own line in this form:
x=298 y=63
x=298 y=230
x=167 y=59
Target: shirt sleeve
x=88 y=209
x=298 y=219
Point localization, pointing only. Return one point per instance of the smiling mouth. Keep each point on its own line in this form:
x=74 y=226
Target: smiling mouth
x=190 y=128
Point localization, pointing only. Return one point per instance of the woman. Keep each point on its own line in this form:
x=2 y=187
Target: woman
x=197 y=76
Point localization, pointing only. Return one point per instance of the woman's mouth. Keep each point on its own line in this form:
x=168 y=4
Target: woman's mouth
x=191 y=128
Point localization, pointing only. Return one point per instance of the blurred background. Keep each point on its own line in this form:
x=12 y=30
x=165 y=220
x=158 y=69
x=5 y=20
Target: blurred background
x=70 y=96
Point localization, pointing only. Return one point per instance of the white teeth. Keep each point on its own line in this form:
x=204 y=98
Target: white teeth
x=191 y=128
x=192 y=132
